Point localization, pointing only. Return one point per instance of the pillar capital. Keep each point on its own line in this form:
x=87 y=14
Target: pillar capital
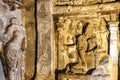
x=113 y=24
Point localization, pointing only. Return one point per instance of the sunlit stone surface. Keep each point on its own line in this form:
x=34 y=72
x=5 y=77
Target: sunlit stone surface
x=67 y=39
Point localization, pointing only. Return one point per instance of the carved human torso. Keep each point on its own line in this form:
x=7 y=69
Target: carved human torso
x=13 y=44
x=17 y=35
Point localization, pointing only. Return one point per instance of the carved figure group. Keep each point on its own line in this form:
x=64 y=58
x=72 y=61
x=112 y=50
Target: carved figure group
x=78 y=39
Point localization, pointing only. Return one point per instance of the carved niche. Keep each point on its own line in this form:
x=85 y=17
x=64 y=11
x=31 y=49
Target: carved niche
x=81 y=44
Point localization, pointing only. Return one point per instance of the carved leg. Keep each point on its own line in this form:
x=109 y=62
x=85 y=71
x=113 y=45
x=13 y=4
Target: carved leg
x=67 y=69
x=82 y=57
x=84 y=65
x=16 y=65
x=12 y=69
x=21 y=67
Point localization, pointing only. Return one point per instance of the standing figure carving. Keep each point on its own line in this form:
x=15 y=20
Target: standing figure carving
x=15 y=44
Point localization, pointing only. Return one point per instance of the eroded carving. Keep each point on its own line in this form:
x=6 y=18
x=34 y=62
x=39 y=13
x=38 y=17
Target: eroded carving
x=14 y=40
x=82 y=44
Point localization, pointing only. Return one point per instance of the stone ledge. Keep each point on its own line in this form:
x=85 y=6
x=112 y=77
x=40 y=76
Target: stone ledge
x=83 y=77
x=81 y=2
x=98 y=8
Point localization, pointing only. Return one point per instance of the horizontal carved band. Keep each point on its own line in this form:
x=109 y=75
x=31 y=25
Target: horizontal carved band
x=98 y=8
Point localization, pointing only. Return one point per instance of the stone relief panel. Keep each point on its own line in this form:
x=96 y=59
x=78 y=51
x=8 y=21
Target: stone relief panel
x=45 y=62
x=12 y=41
x=81 y=45
x=15 y=44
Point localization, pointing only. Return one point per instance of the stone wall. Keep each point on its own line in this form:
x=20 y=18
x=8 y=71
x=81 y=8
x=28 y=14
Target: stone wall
x=67 y=39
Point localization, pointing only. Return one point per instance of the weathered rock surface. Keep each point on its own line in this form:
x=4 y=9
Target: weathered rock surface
x=85 y=25
x=29 y=23
x=75 y=48
x=45 y=41
x=67 y=39
x=13 y=41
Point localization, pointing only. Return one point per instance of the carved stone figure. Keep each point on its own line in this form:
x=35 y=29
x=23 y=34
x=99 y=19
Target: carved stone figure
x=66 y=46
x=14 y=39
x=63 y=41
x=101 y=33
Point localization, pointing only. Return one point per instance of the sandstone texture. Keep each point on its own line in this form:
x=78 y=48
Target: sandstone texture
x=59 y=39
x=29 y=23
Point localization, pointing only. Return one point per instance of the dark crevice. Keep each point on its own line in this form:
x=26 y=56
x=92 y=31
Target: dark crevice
x=93 y=49
x=84 y=28
x=107 y=26
x=36 y=45
x=117 y=0
x=57 y=72
x=119 y=49
x=89 y=72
